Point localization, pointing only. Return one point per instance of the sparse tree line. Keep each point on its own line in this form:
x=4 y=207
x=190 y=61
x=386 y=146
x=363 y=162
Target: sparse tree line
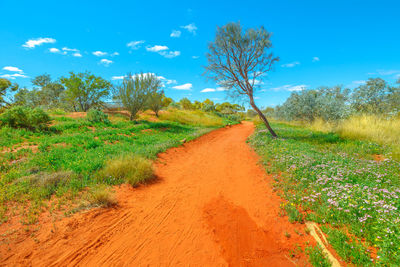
x=83 y=92
x=375 y=97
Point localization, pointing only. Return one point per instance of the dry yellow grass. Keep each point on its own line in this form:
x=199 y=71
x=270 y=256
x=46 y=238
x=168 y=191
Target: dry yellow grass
x=192 y=117
x=366 y=127
x=102 y=196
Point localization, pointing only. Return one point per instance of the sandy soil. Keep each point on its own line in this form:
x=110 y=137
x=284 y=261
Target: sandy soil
x=212 y=205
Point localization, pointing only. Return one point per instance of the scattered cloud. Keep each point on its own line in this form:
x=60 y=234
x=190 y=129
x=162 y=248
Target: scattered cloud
x=13 y=76
x=291 y=65
x=175 y=34
x=114 y=54
x=384 y=72
x=106 y=62
x=135 y=44
x=56 y=51
x=315 y=59
x=167 y=81
x=170 y=54
x=218 y=89
x=77 y=54
x=117 y=77
x=195 y=57
x=186 y=86
x=70 y=49
x=99 y=53
x=290 y=88
x=13 y=69
x=190 y=28
x=206 y=90
x=38 y=41
x=163 y=51
x=157 y=48
x=360 y=82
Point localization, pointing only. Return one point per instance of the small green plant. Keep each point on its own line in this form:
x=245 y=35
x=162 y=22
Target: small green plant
x=317 y=257
x=25 y=117
x=287 y=234
x=96 y=116
x=132 y=169
x=293 y=214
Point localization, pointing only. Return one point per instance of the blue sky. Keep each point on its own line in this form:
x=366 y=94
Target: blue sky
x=318 y=42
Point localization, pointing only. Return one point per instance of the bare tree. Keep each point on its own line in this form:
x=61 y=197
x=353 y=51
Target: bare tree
x=238 y=60
x=136 y=90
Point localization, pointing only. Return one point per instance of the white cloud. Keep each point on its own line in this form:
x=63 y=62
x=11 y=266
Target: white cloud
x=54 y=50
x=77 y=54
x=157 y=48
x=218 y=89
x=118 y=77
x=166 y=81
x=99 y=53
x=190 y=28
x=106 y=62
x=384 y=72
x=38 y=41
x=195 y=57
x=115 y=54
x=315 y=59
x=175 y=34
x=70 y=49
x=186 y=86
x=170 y=54
x=14 y=69
x=360 y=82
x=135 y=44
x=13 y=76
x=206 y=90
x=290 y=88
x=291 y=65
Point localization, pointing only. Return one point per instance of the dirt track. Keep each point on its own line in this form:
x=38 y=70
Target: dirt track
x=212 y=205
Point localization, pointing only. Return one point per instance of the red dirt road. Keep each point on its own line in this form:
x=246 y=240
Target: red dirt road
x=212 y=205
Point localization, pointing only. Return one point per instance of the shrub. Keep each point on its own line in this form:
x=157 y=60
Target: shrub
x=102 y=196
x=95 y=116
x=25 y=117
x=190 y=117
x=132 y=169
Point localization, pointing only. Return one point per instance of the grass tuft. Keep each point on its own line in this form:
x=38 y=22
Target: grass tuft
x=132 y=169
x=317 y=257
x=102 y=196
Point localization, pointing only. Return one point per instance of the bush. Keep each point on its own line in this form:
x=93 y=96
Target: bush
x=95 y=116
x=132 y=169
x=25 y=117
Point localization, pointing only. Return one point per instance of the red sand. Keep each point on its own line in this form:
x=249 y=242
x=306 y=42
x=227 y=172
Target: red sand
x=212 y=205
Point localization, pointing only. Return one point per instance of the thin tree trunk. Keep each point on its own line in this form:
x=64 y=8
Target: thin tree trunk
x=253 y=104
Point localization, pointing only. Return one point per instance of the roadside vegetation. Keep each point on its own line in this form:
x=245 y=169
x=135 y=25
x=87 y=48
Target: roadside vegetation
x=63 y=147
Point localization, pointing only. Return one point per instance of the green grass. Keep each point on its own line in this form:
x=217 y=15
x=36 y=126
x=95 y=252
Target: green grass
x=72 y=154
x=337 y=183
x=317 y=257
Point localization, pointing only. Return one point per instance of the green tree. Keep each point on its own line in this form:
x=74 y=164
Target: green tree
x=371 y=97
x=25 y=97
x=185 y=103
x=156 y=101
x=238 y=60
x=5 y=87
x=166 y=101
x=50 y=92
x=85 y=90
x=135 y=91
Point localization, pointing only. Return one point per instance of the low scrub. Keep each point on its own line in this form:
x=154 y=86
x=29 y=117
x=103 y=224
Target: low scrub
x=192 y=117
x=96 y=116
x=131 y=169
x=25 y=117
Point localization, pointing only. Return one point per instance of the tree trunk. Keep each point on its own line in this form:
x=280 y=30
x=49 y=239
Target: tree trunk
x=253 y=105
